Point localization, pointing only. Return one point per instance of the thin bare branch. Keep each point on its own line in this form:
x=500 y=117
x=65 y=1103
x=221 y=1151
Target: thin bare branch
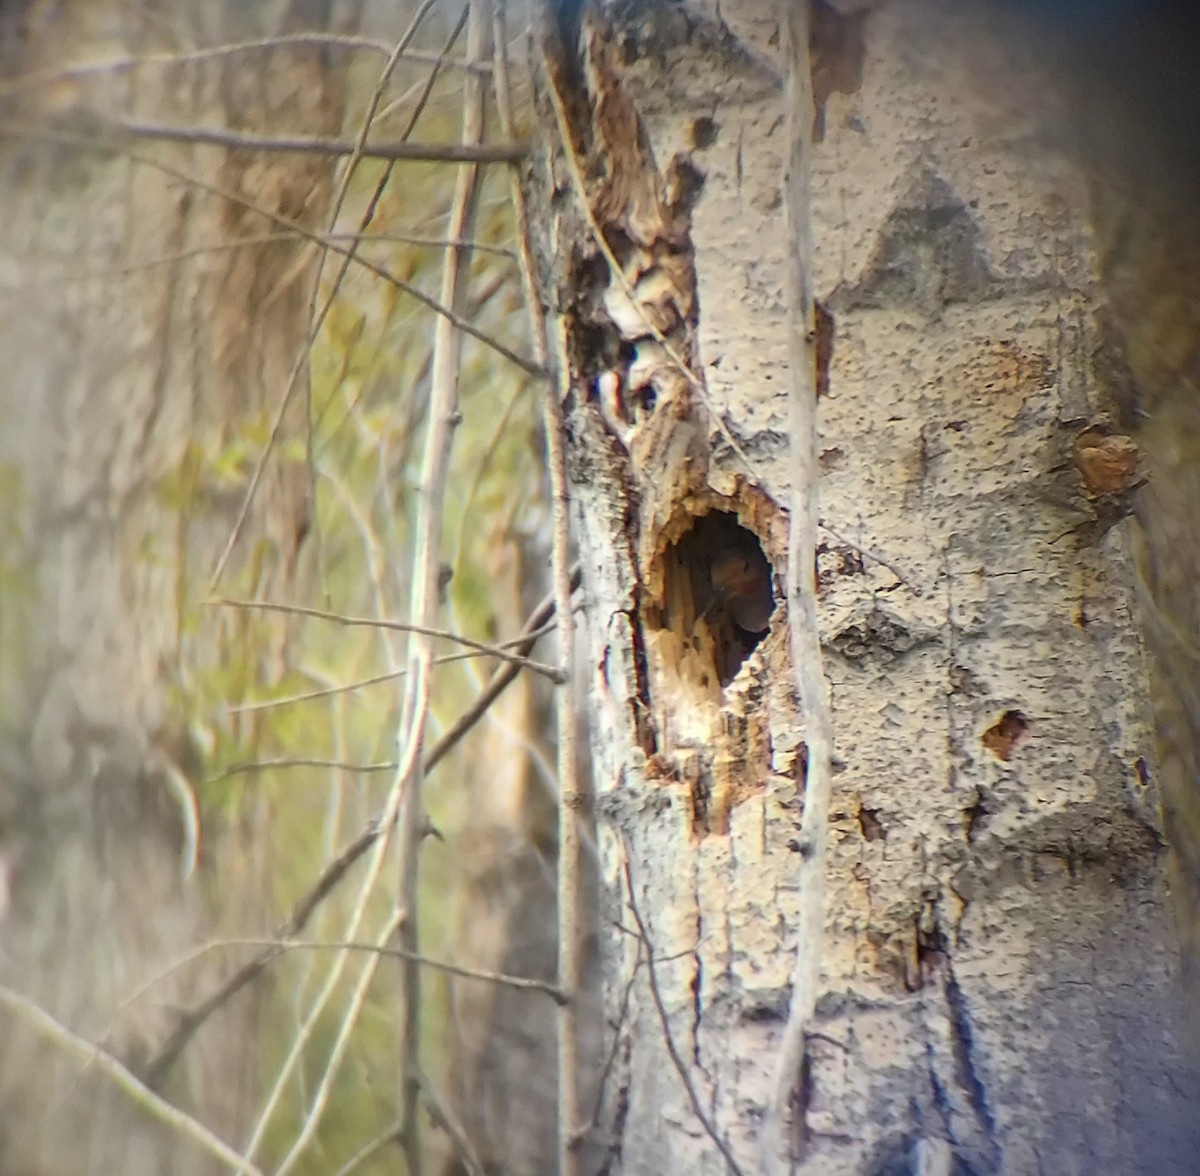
x=668 y=1040
x=621 y=1022
x=479 y=473
x=499 y=683
x=76 y=273
x=401 y=802
x=337 y=1052
x=552 y=672
x=392 y=1134
x=279 y=947
x=779 y=1149
x=88 y=1054
x=874 y=557
x=382 y=272
x=263 y=765
x=411 y=742
x=435 y=470
x=362 y=683
x=443 y=1114
x=263 y=704
x=156 y=1069
x=116 y=65
x=312 y=145
x=398 y=953
x=572 y=798
x=365 y=220
x=317 y=320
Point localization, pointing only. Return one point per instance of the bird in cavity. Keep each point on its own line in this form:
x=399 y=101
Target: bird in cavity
x=740 y=578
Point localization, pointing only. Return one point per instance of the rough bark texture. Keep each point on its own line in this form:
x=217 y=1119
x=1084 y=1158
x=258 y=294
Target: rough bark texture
x=997 y=991
x=139 y=354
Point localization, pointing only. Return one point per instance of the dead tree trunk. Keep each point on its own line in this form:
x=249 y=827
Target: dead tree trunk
x=995 y=990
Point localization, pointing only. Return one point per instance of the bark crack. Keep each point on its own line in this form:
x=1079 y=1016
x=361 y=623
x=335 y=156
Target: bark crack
x=697 y=989
x=941 y=1099
x=969 y=1075
x=956 y=1082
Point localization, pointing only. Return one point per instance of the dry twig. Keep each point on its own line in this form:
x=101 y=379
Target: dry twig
x=313 y=145
x=677 y=1061
x=129 y=1084
x=87 y=143
x=393 y=1133
x=435 y=469
x=419 y=704
x=341 y=1043
x=571 y=796
x=156 y=1069
x=554 y=673
x=115 y=65
x=318 y=319
x=805 y=639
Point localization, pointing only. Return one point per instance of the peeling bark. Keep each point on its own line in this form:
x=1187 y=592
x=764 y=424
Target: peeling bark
x=996 y=980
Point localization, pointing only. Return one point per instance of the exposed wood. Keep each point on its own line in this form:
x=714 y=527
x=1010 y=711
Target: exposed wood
x=997 y=949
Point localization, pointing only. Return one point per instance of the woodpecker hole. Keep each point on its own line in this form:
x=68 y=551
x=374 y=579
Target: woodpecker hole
x=871 y=826
x=1002 y=737
x=717 y=596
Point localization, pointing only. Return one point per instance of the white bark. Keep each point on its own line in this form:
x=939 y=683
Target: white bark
x=995 y=992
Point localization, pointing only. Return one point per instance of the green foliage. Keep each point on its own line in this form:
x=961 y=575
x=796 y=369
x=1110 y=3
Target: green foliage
x=369 y=378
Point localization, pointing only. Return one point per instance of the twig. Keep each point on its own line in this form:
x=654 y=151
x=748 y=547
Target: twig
x=499 y=431
x=435 y=469
x=115 y=65
x=282 y=946
x=805 y=639
x=664 y=1020
x=72 y=271
x=365 y=220
x=46 y=1027
x=418 y=707
x=408 y=776
x=501 y=978
x=240 y=769
x=873 y=556
x=393 y=1133
x=622 y=1020
x=318 y=319
x=337 y=1052
x=363 y=683
x=263 y=704
x=156 y=1069
x=554 y=673
x=85 y=143
x=316 y=145
x=443 y=1113
x=572 y=798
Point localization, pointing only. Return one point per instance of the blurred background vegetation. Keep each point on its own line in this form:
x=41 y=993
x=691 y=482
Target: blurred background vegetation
x=171 y=809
